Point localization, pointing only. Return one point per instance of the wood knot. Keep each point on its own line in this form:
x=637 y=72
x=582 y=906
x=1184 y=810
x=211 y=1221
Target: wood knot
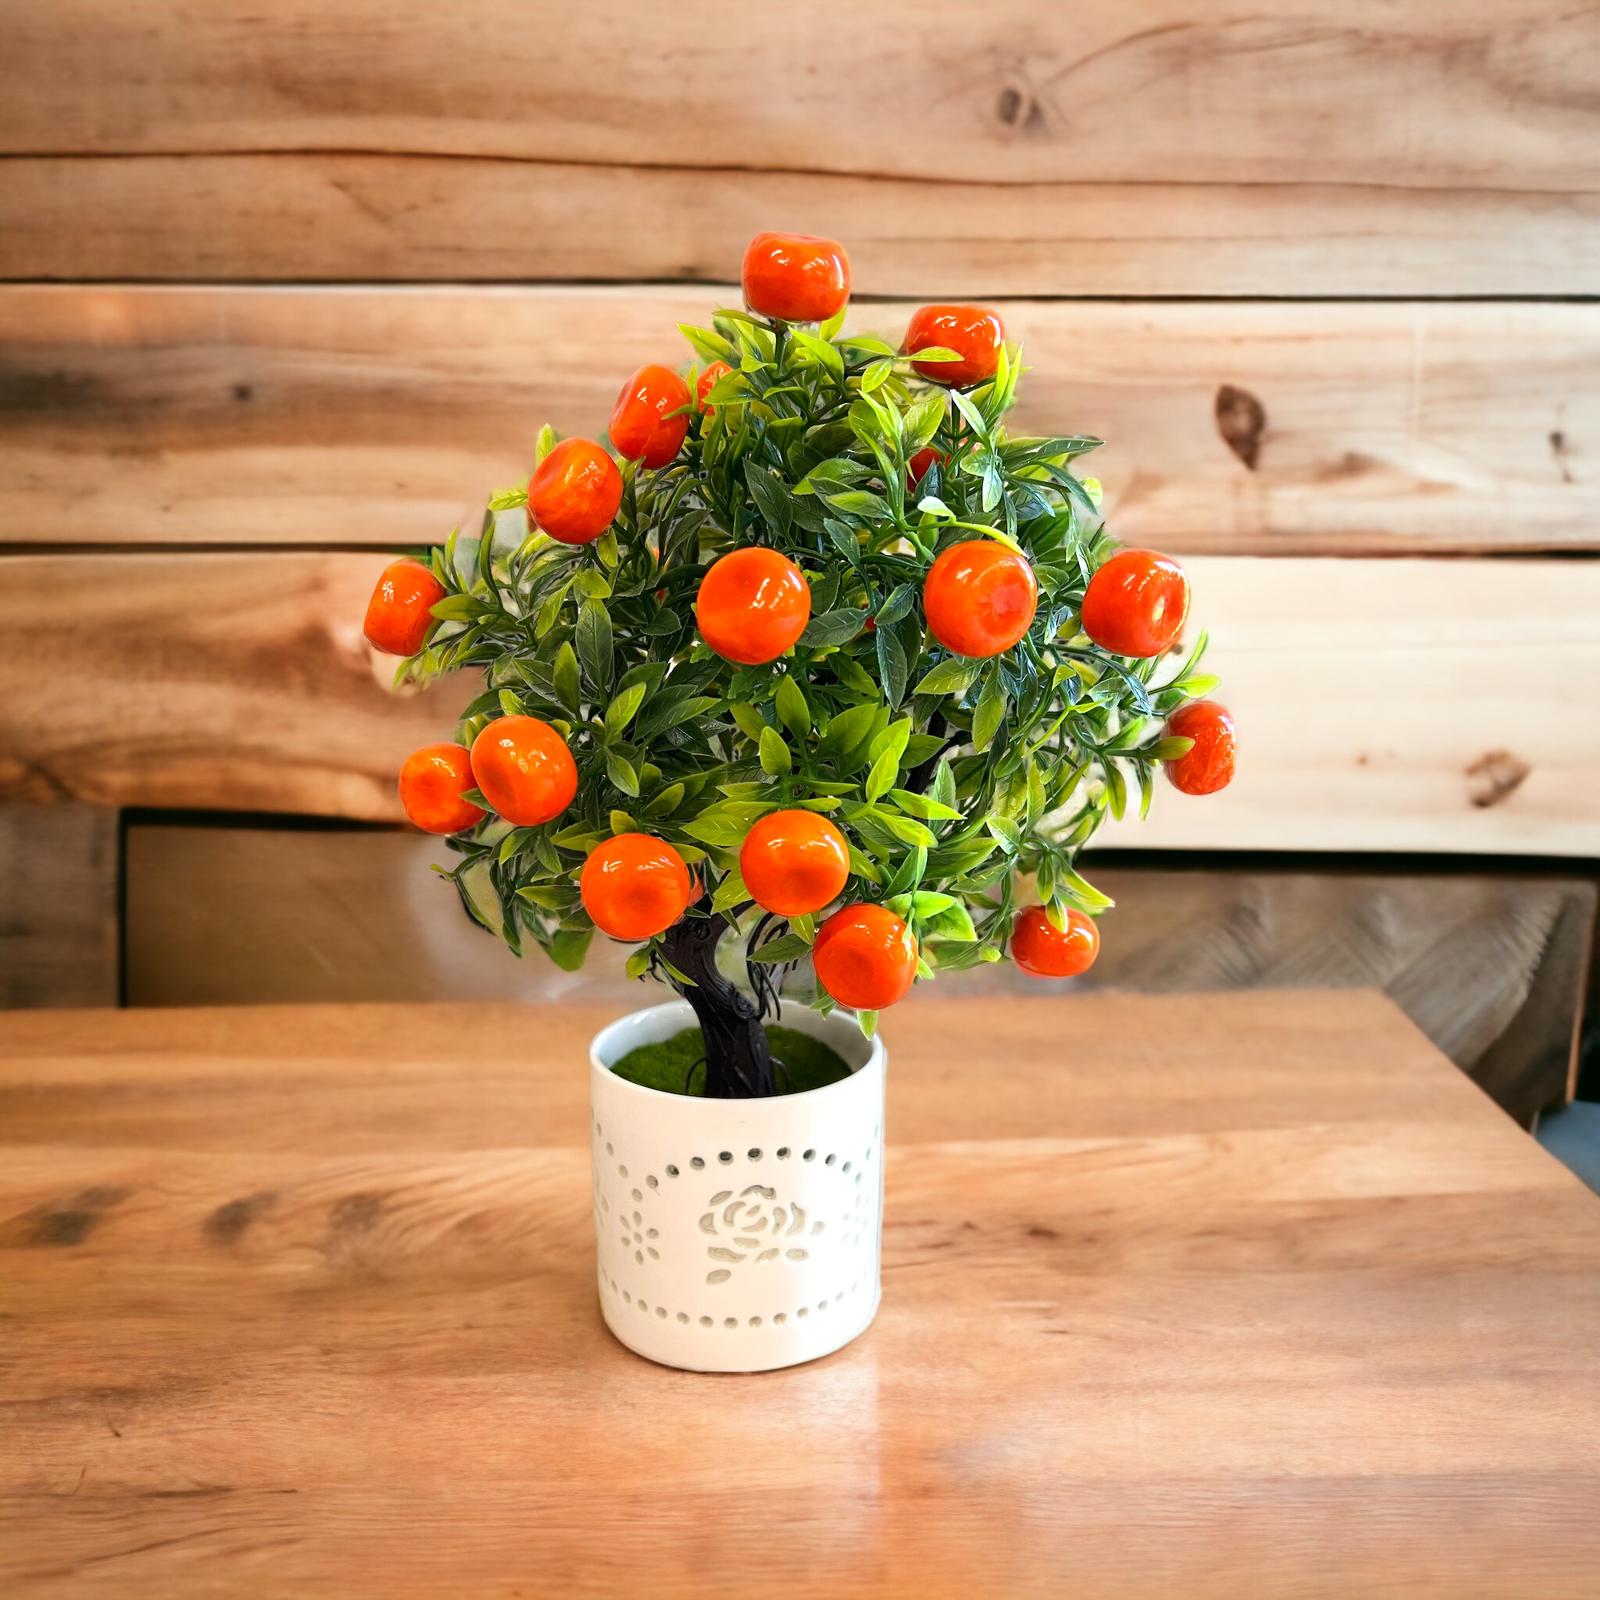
x=1241 y=419
x=1017 y=108
x=1494 y=776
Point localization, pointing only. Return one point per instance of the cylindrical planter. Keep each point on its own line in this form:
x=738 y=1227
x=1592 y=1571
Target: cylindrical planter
x=737 y=1235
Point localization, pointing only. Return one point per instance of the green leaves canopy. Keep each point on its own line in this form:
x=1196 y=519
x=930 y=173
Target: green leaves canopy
x=950 y=777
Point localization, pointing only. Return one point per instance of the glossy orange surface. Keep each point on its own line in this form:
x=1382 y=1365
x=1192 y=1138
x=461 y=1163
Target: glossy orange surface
x=643 y=426
x=1136 y=603
x=575 y=492
x=707 y=381
x=975 y=333
x=794 y=862
x=399 y=612
x=1043 y=950
x=795 y=277
x=752 y=605
x=1209 y=765
x=979 y=597
x=865 y=957
x=431 y=781
x=525 y=770
x=634 y=886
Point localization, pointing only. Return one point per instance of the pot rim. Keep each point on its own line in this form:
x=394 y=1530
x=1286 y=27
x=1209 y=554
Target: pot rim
x=874 y=1062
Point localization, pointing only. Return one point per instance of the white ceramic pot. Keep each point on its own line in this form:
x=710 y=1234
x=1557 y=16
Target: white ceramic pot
x=737 y=1235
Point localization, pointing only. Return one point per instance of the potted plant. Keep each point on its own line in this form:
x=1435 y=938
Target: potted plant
x=814 y=666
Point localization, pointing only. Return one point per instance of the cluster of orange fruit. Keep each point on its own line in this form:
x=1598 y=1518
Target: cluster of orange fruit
x=752 y=605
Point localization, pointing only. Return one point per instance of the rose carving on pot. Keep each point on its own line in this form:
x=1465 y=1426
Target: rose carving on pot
x=753 y=1226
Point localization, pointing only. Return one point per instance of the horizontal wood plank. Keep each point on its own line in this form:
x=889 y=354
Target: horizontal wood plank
x=1145 y=148
x=1492 y=969
x=241 y=682
x=386 y=416
x=301 y=1301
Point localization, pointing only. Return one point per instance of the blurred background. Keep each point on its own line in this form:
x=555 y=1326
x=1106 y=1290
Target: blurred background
x=290 y=286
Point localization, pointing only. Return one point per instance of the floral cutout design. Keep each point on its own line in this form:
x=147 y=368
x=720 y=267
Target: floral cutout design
x=752 y=1226
x=639 y=1239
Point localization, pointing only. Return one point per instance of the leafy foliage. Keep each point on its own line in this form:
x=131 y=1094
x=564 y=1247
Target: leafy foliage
x=950 y=776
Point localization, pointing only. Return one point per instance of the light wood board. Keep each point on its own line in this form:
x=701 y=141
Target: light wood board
x=301 y=1302
x=386 y=416
x=1383 y=705
x=1129 y=147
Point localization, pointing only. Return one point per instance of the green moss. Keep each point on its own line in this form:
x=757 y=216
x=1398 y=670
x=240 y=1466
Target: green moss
x=807 y=1062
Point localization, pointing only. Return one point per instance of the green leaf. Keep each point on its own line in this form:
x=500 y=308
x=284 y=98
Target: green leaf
x=750 y=721
x=621 y=822
x=833 y=627
x=620 y=771
x=776 y=761
x=791 y=947
x=594 y=646
x=906 y=829
x=953 y=675
x=924 y=806
x=771 y=495
x=707 y=345
x=892 y=669
x=790 y=703
x=569 y=947
x=1169 y=749
x=731 y=893
x=621 y=710
x=565 y=673
x=508 y=499
x=990 y=713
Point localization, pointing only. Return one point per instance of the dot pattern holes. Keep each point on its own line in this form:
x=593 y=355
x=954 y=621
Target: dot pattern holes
x=743 y=1228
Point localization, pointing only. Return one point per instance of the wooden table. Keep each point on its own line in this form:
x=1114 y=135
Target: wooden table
x=1224 y=1296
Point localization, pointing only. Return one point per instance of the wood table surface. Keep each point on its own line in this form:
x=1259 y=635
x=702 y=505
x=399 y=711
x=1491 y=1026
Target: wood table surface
x=1233 y=1295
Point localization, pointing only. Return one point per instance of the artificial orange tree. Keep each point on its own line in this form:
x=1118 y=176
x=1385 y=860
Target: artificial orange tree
x=828 y=659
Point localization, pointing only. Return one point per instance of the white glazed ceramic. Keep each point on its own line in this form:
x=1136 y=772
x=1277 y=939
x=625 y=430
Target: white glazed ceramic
x=737 y=1235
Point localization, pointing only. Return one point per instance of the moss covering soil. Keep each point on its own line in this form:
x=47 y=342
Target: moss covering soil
x=676 y=1065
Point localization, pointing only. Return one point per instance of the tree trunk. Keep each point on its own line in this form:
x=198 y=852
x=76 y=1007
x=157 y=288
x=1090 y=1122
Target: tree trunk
x=738 y=1057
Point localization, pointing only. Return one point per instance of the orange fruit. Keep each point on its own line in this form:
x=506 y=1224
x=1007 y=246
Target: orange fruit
x=1136 y=603
x=1043 y=950
x=975 y=333
x=525 y=770
x=794 y=277
x=794 y=862
x=979 y=597
x=752 y=605
x=1209 y=765
x=634 y=886
x=431 y=782
x=399 y=613
x=917 y=466
x=575 y=491
x=708 y=381
x=865 y=957
x=642 y=427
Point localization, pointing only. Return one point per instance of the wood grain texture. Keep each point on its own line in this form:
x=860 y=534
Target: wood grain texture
x=59 y=907
x=1146 y=148
x=384 y=416
x=229 y=682
x=301 y=1302
x=1492 y=969
x=241 y=682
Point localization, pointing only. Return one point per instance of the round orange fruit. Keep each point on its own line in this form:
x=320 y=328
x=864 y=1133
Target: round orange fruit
x=634 y=886
x=431 y=782
x=524 y=769
x=1208 y=765
x=651 y=416
x=979 y=597
x=795 y=277
x=752 y=605
x=575 y=492
x=794 y=862
x=1043 y=950
x=1136 y=603
x=400 y=611
x=865 y=957
x=975 y=333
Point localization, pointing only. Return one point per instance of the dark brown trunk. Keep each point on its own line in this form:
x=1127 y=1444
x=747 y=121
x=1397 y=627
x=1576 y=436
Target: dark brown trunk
x=738 y=1057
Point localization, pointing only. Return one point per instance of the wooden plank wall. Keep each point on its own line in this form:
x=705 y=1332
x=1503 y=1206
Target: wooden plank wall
x=285 y=286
